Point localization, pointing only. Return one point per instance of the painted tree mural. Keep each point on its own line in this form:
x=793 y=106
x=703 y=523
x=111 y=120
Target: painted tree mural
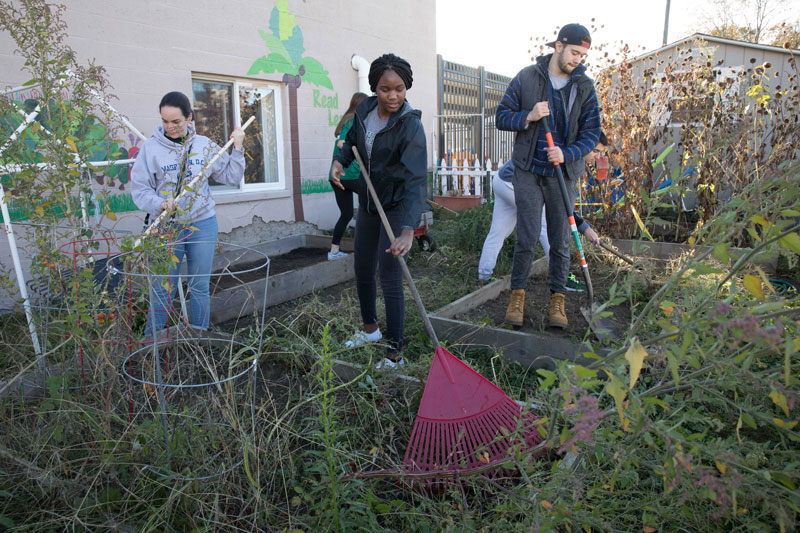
x=285 y=54
x=94 y=136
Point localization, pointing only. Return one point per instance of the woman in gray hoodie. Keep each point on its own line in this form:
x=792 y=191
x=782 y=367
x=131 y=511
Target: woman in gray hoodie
x=163 y=167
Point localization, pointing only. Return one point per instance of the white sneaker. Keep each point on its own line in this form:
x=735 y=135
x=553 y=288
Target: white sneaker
x=332 y=256
x=362 y=337
x=388 y=364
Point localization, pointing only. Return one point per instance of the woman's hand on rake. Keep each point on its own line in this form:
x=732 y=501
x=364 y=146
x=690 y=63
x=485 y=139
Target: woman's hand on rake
x=237 y=135
x=402 y=244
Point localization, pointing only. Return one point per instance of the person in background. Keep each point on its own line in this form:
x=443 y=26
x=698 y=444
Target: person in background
x=603 y=175
x=164 y=167
x=555 y=88
x=504 y=219
x=389 y=136
x=349 y=181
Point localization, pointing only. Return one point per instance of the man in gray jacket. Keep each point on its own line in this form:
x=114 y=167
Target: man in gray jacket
x=555 y=88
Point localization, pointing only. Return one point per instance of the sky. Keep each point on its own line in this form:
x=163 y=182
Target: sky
x=496 y=34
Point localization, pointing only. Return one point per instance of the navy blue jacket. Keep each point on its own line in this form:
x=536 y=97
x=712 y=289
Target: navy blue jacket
x=576 y=134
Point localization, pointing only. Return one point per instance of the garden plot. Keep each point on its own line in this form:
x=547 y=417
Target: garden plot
x=537 y=298
x=533 y=348
x=477 y=319
x=298 y=265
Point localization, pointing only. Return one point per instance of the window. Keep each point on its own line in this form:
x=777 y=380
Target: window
x=691 y=100
x=222 y=104
x=683 y=93
x=680 y=97
x=729 y=79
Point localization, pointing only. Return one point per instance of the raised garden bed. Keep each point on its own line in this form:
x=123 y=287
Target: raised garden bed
x=537 y=298
x=298 y=265
x=530 y=349
x=669 y=250
x=477 y=319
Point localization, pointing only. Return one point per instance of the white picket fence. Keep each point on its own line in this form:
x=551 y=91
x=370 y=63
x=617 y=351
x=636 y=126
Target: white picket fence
x=464 y=179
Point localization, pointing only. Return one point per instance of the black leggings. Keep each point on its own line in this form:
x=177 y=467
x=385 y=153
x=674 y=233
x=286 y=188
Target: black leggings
x=344 y=199
x=370 y=251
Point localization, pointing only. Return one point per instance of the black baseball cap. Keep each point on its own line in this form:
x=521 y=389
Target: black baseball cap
x=573 y=34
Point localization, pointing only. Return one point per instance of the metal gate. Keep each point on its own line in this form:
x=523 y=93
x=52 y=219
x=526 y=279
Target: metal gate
x=465 y=125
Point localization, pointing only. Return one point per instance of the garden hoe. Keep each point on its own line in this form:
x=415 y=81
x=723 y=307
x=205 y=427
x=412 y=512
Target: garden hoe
x=464 y=421
x=609 y=248
x=614 y=251
x=601 y=326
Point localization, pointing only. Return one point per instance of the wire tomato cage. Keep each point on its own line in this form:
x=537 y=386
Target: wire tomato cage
x=193 y=390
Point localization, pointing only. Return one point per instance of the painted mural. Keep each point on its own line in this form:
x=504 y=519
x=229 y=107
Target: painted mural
x=98 y=141
x=285 y=54
x=284 y=43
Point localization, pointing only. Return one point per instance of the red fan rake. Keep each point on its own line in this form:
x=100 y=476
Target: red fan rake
x=464 y=420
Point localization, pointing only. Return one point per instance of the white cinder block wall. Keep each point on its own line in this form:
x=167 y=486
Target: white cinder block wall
x=151 y=47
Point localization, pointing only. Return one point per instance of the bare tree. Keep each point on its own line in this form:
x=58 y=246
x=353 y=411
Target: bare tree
x=786 y=35
x=744 y=20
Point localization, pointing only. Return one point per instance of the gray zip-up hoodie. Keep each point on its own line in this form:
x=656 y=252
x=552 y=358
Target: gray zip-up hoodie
x=158 y=164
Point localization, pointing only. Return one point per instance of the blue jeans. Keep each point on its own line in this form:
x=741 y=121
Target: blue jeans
x=370 y=244
x=198 y=243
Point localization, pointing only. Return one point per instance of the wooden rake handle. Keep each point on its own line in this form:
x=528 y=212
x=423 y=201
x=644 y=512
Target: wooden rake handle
x=434 y=204
x=195 y=180
x=426 y=321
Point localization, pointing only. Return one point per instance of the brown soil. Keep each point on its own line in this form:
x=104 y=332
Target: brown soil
x=493 y=312
x=297 y=258
x=537 y=300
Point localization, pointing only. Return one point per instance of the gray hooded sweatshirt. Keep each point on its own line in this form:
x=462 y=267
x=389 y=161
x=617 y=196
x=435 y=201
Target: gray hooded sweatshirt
x=158 y=164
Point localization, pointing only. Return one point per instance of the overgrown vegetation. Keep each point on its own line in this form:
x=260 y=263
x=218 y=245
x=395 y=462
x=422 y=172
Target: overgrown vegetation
x=688 y=423
x=684 y=131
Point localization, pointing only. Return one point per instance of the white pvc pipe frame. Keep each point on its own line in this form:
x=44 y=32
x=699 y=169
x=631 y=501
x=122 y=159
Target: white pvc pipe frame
x=12 y=241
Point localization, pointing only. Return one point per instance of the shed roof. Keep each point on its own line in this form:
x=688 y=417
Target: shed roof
x=719 y=40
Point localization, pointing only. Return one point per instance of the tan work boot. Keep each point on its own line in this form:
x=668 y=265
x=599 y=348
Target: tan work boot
x=516 y=307
x=558 y=315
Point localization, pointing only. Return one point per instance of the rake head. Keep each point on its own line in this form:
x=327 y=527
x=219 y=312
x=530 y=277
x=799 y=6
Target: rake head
x=464 y=420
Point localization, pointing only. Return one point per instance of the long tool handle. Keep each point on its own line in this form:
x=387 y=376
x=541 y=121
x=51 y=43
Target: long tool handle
x=570 y=208
x=164 y=214
x=425 y=320
x=616 y=252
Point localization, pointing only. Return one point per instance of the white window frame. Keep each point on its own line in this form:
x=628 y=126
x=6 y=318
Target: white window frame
x=275 y=87
x=724 y=74
x=696 y=52
x=669 y=95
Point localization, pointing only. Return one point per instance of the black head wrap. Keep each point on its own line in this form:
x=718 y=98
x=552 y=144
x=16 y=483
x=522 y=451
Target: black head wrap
x=390 y=62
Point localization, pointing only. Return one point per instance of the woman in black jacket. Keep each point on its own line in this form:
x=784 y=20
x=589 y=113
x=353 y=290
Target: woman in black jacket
x=389 y=136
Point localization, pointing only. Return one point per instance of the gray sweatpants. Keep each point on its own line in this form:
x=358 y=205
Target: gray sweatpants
x=531 y=192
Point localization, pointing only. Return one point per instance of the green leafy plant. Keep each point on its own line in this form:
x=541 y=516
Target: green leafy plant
x=699 y=402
